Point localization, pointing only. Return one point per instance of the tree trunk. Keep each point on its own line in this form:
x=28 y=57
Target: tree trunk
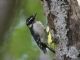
x=6 y=13
x=64 y=21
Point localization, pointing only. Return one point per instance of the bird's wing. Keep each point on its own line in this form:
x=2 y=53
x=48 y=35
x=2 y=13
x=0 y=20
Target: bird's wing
x=39 y=43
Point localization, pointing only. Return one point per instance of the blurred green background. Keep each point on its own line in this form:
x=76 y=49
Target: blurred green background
x=16 y=40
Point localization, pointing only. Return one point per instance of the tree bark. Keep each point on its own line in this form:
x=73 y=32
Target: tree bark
x=64 y=21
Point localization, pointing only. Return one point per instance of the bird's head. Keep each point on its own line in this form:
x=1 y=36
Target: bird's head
x=30 y=20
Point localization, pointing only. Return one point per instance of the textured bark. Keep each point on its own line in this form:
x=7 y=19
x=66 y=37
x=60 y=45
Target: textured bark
x=64 y=21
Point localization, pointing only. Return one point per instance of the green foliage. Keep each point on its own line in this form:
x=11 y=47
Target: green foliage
x=20 y=43
x=33 y=6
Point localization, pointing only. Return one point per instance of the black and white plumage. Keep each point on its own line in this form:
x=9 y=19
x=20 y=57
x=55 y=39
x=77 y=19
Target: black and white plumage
x=38 y=32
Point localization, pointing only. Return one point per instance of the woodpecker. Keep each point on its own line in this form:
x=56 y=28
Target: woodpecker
x=38 y=32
